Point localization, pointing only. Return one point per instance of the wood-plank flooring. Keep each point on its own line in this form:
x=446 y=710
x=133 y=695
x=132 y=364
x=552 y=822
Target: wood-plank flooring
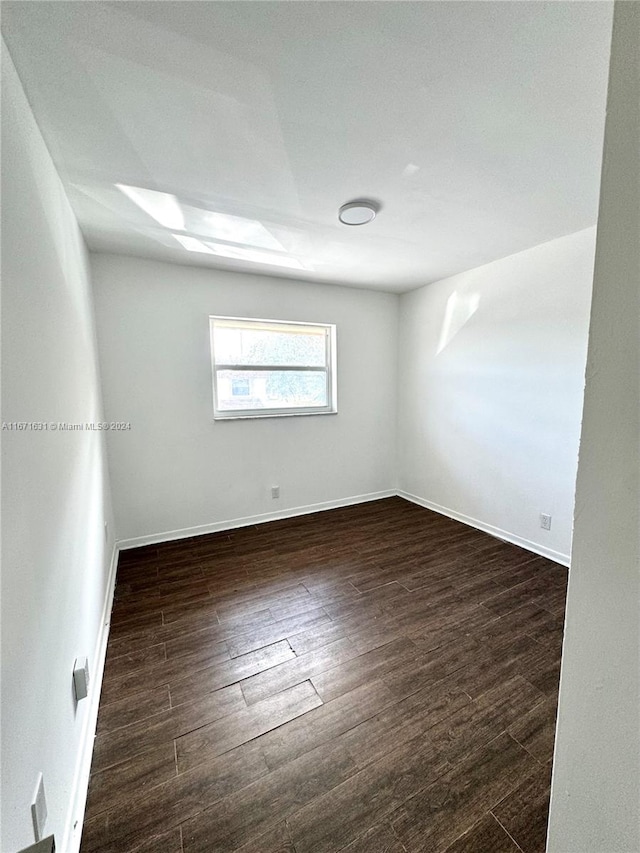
x=368 y=679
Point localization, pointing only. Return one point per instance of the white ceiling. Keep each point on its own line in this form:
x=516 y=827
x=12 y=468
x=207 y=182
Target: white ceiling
x=477 y=126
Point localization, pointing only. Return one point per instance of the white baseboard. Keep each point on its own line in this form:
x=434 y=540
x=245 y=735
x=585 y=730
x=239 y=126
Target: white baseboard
x=246 y=521
x=556 y=556
x=80 y=787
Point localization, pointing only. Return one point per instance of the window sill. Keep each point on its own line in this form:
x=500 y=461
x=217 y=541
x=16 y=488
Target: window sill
x=235 y=416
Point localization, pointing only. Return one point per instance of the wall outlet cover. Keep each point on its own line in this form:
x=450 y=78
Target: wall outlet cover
x=81 y=678
x=39 y=809
x=545 y=521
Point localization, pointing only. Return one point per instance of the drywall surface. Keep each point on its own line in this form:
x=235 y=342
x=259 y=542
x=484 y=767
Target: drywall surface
x=55 y=558
x=176 y=469
x=595 y=798
x=491 y=375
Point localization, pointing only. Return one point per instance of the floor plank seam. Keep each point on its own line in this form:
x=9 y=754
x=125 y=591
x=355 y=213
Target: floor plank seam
x=506 y=830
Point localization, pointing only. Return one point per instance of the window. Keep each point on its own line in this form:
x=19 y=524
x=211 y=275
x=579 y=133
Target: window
x=266 y=368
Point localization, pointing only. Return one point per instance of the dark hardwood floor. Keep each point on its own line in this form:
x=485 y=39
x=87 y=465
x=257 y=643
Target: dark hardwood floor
x=375 y=678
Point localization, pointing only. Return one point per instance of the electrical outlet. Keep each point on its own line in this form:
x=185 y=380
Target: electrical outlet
x=39 y=809
x=106 y=531
x=275 y=491
x=545 y=521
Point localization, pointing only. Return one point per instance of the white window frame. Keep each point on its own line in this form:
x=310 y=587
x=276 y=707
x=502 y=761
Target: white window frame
x=329 y=369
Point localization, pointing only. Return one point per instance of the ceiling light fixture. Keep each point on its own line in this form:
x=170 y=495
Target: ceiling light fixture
x=358 y=212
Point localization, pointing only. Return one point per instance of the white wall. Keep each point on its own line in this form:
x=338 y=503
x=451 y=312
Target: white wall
x=491 y=374
x=55 y=561
x=176 y=469
x=595 y=797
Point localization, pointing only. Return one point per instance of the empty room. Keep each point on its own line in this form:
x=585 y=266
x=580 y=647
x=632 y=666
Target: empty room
x=320 y=426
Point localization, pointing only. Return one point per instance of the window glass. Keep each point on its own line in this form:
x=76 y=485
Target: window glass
x=268 y=367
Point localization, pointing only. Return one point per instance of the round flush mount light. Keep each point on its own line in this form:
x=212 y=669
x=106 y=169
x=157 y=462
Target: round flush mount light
x=358 y=212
